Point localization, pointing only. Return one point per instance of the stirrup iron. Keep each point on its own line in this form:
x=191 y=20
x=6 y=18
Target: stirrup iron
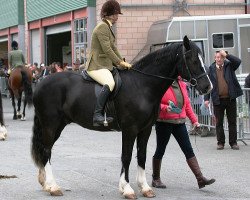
x=105 y=122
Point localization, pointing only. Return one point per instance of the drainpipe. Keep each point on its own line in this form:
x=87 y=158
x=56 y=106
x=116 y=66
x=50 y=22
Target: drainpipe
x=246 y=10
x=217 y=4
x=145 y=5
x=188 y=5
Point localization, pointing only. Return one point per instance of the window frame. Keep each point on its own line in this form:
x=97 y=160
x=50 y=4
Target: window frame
x=80 y=40
x=223 y=40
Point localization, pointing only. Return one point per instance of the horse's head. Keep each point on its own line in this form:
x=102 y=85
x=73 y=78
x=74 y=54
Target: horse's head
x=194 y=70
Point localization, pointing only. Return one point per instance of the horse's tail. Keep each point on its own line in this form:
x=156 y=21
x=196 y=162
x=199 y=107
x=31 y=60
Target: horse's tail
x=1 y=111
x=37 y=147
x=27 y=87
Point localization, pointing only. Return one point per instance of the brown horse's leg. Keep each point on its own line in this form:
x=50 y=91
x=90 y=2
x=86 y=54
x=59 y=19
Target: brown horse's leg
x=24 y=107
x=19 y=101
x=13 y=104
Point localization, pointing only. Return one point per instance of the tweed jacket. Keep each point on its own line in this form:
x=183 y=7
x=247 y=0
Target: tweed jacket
x=16 y=58
x=104 y=53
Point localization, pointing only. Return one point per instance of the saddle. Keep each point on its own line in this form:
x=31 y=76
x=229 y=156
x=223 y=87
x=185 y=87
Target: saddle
x=109 y=107
x=98 y=87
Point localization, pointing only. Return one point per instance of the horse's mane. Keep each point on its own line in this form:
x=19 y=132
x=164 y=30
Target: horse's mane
x=167 y=52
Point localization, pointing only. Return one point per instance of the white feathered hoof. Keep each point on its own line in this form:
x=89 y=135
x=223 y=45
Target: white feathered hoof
x=23 y=118
x=3 y=133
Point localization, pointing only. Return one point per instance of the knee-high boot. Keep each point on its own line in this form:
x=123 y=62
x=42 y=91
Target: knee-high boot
x=194 y=166
x=98 y=118
x=156 y=182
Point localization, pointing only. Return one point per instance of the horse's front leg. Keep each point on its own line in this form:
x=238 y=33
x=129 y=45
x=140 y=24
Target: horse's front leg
x=142 y=141
x=128 y=141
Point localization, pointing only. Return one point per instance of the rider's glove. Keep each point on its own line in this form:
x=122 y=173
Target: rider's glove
x=125 y=64
x=9 y=71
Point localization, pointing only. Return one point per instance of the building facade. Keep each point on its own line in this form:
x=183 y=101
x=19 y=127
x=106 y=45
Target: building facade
x=49 y=31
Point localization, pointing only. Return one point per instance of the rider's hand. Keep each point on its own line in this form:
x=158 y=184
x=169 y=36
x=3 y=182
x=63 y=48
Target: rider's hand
x=125 y=64
x=9 y=71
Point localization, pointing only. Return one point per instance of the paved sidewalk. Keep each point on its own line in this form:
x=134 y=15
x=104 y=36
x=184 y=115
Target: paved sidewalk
x=86 y=164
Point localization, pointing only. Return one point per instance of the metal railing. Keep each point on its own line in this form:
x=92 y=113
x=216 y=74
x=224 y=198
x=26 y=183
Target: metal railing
x=3 y=87
x=207 y=118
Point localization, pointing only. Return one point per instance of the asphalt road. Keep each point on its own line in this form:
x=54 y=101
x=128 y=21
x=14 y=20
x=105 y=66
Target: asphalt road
x=86 y=165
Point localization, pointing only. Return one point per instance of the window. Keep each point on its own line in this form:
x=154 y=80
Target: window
x=80 y=40
x=223 y=40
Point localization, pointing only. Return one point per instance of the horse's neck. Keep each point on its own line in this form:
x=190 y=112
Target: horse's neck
x=159 y=76
x=152 y=85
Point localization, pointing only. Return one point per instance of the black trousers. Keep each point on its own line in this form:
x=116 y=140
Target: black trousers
x=179 y=131
x=231 y=111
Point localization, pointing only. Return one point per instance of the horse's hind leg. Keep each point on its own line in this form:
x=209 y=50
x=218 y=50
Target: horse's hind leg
x=13 y=104
x=19 y=101
x=42 y=143
x=50 y=184
x=127 y=148
x=142 y=141
x=24 y=107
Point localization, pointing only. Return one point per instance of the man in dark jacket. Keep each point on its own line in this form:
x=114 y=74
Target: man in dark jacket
x=247 y=81
x=247 y=85
x=226 y=89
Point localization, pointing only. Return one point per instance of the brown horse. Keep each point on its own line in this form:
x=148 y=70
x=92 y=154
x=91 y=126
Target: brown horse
x=20 y=80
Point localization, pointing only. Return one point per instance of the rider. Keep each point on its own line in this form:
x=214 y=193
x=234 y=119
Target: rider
x=15 y=57
x=103 y=55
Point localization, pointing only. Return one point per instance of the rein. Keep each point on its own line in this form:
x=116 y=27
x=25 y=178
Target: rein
x=153 y=75
x=192 y=80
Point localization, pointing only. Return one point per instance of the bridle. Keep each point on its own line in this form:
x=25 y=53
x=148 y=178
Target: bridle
x=192 y=80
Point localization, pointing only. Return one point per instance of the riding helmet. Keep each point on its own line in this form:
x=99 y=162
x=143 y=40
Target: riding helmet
x=109 y=8
x=14 y=44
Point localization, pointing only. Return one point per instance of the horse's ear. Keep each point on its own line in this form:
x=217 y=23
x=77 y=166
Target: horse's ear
x=186 y=43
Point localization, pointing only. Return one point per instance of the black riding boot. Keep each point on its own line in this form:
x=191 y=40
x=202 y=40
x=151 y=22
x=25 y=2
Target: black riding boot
x=201 y=180
x=98 y=118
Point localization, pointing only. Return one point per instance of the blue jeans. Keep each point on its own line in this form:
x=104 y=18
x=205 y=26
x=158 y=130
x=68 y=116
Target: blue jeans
x=179 y=131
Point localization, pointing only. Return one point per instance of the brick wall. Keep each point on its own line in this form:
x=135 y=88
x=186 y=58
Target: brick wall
x=133 y=25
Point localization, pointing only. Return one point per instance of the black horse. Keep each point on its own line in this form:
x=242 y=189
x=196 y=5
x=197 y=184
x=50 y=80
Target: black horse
x=3 y=131
x=66 y=97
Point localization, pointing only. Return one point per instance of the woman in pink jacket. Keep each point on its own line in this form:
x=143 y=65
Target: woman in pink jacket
x=175 y=107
